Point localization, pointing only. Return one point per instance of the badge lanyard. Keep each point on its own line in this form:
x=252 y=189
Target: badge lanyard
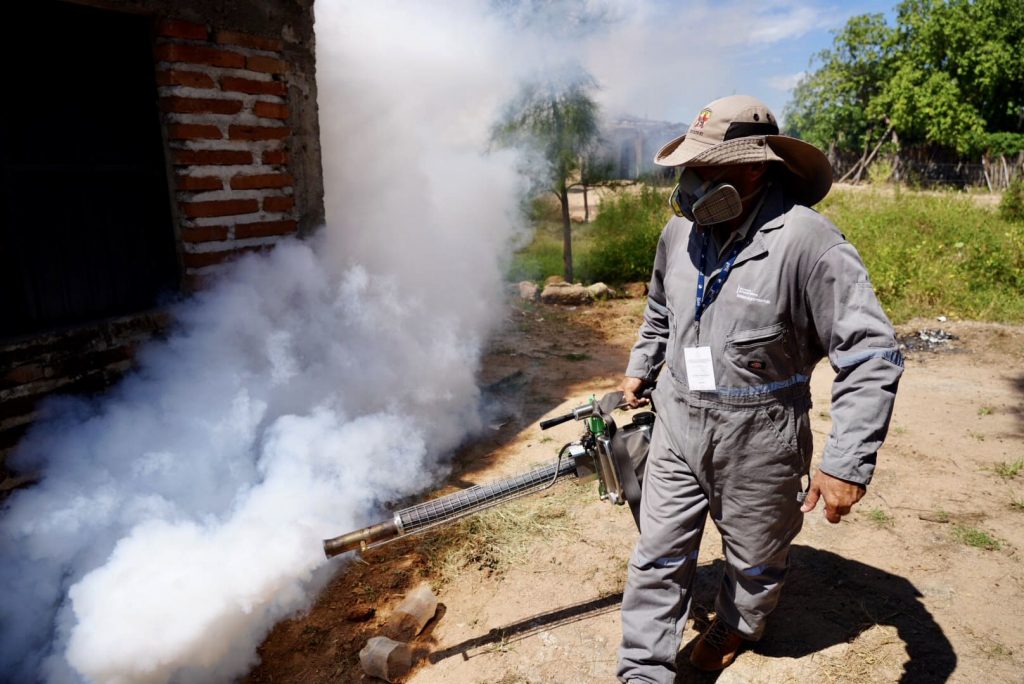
x=717 y=282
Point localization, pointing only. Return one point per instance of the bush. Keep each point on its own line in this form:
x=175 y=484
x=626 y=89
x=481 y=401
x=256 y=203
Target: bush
x=1011 y=206
x=624 y=237
x=931 y=254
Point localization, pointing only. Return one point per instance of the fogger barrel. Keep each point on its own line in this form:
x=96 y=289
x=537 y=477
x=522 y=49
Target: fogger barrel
x=445 y=509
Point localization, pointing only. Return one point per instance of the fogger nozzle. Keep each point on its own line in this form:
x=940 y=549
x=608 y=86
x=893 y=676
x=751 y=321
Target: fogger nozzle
x=360 y=538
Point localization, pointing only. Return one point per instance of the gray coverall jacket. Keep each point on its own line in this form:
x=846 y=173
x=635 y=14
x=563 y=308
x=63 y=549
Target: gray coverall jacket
x=797 y=292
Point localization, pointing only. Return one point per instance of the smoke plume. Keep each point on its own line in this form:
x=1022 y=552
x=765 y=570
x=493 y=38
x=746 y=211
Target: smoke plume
x=180 y=515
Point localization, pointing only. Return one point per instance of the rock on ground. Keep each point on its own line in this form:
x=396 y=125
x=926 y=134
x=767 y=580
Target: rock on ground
x=567 y=294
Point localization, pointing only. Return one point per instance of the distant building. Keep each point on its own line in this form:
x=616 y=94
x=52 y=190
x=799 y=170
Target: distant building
x=631 y=143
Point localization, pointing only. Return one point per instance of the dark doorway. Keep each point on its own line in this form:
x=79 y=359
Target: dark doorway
x=85 y=217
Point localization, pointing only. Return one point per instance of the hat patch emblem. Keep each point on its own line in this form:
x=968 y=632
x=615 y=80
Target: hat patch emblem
x=702 y=118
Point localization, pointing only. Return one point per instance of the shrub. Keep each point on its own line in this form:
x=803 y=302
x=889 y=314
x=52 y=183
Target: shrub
x=624 y=237
x=1011 y=206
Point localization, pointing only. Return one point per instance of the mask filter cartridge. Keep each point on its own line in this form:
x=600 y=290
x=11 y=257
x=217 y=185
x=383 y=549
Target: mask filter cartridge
x=705 y=202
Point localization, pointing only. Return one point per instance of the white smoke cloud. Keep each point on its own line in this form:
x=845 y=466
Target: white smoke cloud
x=180 y=516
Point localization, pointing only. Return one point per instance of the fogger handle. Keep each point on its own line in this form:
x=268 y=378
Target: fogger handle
x=586 y=411
x=552 y=422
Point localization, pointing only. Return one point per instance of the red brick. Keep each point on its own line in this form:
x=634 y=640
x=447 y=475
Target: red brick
x=199 y=54
x=234 y=84
x=278 y=203
x=265 y=180
x=190 y=79
x=220 y=208
x=275 y=157
x=266 y=65
x=249 y=41
x=270 y=110
x=257 y=132
x=197 y=105
x=200 y=259
x=211 y=157
x=199 y=183
x=175 y=28
x=23 y=375
x=204 y=233
x=193 y=132
x=265 y=229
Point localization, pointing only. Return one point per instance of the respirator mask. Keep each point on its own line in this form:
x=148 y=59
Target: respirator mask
x=705 y=202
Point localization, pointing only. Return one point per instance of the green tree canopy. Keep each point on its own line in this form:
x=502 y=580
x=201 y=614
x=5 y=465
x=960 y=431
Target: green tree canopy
x=949 y=73
x=558 y=123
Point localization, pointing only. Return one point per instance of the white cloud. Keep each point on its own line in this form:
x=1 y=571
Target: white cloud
x=785 y=82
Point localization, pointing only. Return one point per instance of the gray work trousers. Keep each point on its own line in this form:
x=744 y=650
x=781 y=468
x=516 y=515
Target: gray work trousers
x=742 y=460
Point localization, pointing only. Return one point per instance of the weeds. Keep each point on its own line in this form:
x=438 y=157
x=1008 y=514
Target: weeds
x=1017 y=505
x=880 y=518
x=985 y=411
x=927 y=253
x=1009 y=470
x=1011 y=205
x=930 y=254
x=498 y=538
x=979 y=539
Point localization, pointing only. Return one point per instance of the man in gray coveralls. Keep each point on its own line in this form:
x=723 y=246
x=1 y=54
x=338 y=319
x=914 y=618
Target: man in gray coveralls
x=750 y=289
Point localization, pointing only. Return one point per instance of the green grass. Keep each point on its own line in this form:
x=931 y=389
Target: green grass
x=979 y=539
x=931 y=254
x=880 y=518
x=1009 y=470
x=1017 y=505
x=985 y=411
x=928 y=253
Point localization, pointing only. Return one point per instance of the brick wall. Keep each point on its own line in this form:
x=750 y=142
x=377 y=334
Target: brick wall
x=224 y=96
x=237 y=91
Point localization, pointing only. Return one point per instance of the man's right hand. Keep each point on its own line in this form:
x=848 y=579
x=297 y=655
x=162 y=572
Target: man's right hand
x=631 y=388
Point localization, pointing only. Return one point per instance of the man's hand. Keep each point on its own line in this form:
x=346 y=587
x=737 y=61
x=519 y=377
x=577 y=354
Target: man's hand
x=839 y=496
x=629 y=388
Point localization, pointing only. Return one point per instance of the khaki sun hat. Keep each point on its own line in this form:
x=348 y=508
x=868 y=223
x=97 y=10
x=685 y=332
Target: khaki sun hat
x=740 y=129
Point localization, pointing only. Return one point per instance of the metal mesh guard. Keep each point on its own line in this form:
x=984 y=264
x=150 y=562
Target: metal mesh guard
x=446 y=508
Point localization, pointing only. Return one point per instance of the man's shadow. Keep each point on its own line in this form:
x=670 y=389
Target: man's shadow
x=827 y=600
x=831 y=600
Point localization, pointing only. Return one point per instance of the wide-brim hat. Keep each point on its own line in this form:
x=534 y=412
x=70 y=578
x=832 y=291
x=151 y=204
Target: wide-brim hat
x=740 y=129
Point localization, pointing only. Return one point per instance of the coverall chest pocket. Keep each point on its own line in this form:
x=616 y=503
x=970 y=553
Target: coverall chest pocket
x=759 y=356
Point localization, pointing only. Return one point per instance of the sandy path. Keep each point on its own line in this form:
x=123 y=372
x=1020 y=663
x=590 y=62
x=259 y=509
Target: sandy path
x=889 y=595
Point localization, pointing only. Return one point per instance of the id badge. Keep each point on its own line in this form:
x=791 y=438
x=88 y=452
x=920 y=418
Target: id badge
x=700 y=371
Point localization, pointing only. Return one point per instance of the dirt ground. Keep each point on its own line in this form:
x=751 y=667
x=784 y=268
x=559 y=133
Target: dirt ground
x=922 y=583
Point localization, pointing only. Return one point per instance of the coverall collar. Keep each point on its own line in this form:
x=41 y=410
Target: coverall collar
x=769 y=215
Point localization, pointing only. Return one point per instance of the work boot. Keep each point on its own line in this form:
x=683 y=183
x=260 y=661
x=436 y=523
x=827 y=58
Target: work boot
x=716 y=648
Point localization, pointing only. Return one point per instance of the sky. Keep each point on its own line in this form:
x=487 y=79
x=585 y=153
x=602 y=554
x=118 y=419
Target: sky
x=761 y=48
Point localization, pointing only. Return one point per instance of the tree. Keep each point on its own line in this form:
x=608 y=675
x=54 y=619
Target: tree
x=558 y=124
x=950 y=73
x=830 y=104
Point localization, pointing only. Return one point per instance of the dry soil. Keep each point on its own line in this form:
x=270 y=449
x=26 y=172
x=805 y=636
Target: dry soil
x=921 y=583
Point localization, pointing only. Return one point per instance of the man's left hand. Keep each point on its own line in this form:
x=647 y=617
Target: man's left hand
x=839 y=496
